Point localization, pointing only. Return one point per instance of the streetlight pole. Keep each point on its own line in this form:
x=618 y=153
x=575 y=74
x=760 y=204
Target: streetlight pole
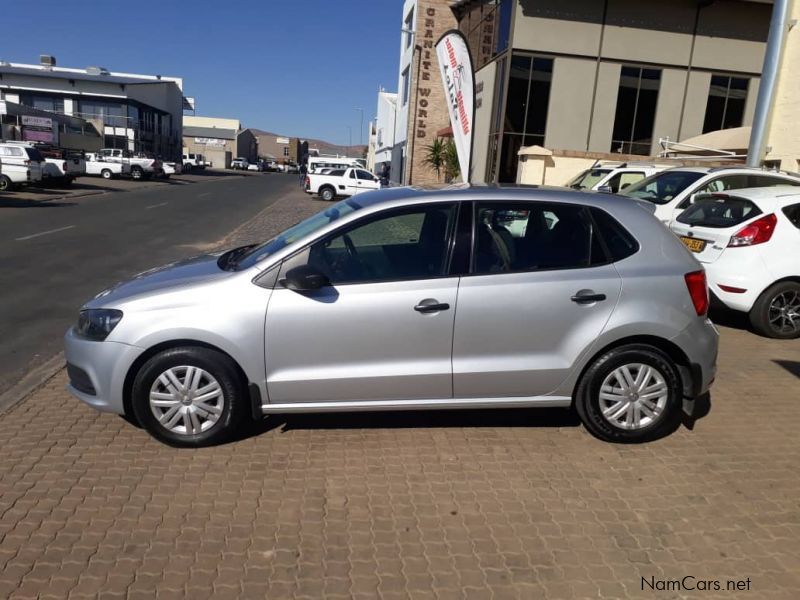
x=360 y=126
x=350 y=132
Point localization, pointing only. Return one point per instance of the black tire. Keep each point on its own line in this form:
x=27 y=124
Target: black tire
x=187 y=169
x=137 y=173
x=66 y=182
x=6 y=184
x=786 y=328
x=107 y=174
x=235 y=406
x=327 y=193
x=588 y=402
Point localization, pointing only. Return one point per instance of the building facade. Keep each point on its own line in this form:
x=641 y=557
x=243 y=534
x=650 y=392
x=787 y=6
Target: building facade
x=421 y=108
x=607 y=76
x=385 y=129
x=141 y=113
x=283 y=149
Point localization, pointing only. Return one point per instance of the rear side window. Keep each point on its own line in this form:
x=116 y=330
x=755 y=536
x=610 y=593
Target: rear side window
x=719 y=212
x=769 y=181
x=337 y=173
x=618 y=242
x=793 y=214
x=526 y=236
x=34 y=154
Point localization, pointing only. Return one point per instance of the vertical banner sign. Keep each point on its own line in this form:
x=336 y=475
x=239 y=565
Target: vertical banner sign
x=455 y=65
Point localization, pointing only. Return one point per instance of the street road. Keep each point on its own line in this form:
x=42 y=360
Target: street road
x=56 y=255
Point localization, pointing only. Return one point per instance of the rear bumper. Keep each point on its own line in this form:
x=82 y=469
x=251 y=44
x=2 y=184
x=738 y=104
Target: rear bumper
x=700 y=342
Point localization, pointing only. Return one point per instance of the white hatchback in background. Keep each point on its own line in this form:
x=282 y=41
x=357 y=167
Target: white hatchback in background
x=749 y=243
x=673 y=191
x=613 y=177
x=22 y=164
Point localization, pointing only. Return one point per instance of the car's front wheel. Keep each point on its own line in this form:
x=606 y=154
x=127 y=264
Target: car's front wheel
x=189 y=396
x=776 y=313
x=327 y=194
x=631 y=393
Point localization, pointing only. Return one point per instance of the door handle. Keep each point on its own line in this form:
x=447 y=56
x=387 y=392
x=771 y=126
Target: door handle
x=429 y=306
x=587 y=297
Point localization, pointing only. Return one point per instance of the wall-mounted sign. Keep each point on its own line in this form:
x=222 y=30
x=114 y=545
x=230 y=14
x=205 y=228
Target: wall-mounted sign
x=43 y=122
x=209 y=141
x=33 y=135
x=282 y=140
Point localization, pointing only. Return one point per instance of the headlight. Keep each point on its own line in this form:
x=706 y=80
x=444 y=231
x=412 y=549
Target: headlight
x=96 y=323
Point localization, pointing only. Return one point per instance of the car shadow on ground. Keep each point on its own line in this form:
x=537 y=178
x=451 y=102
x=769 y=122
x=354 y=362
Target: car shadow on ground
x=23 y=203
x=730 y=318
x=420 y=419
x=792 y=366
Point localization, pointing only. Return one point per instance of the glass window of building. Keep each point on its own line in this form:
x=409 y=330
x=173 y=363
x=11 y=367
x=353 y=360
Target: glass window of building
x=408 y=25
x=48 y=103
x=406 y=85
x=726 y=99
x=487 y=27
x=526 y=107
x=636 y=110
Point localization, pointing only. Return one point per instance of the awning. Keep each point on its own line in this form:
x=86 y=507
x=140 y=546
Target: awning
x=736 y=140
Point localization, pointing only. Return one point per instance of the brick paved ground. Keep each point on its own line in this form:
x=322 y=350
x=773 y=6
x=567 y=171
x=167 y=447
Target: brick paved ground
x=505 y=504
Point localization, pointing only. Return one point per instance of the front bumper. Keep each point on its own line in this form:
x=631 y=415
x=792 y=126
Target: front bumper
x=98 y=366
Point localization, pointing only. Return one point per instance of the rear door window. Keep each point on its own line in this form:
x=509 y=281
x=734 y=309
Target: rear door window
x=621 y=181
x=527 y=236
x=792 y=213
x=719 y=212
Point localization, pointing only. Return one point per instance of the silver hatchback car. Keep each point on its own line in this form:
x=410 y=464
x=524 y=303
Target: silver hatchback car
x=470 y=297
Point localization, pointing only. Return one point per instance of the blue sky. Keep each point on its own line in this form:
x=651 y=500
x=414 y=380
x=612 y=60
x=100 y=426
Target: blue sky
x=296 y=67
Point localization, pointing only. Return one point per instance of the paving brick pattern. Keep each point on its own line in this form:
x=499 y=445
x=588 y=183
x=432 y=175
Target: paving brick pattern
x=478 y=504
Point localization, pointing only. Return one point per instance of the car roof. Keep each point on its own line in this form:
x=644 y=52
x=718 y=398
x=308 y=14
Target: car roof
x=467 y=192
x=762 y=193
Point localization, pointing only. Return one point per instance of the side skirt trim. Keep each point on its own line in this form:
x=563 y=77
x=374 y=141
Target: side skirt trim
x=445 y=403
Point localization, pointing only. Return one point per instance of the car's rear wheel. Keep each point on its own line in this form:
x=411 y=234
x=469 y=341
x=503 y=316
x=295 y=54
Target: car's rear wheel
x=189 y=396
x=5 y=183
x=106 y=174
x=631 y=393
x=327 y=194
x=137 y=173
x=776 y=313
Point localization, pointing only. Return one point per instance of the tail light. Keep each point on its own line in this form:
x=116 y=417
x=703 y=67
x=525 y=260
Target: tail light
x=757 y=232
x=698 y=291
x=26 y=162
x=308 y=181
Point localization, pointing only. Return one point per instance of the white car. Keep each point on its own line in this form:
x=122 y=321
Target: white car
x=192 y=161
x=171 y=168
x=749 y=243
x=613 y=177
x=347 y=182
x=673 y=191
x=141 y=166
x=240 y=163
x=22 y=164
x=99 y=166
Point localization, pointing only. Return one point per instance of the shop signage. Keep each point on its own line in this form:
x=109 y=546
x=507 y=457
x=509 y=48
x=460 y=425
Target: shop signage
x=34 y=135
x=209 y=141
x=424 y=75
x=455 y=66
x=282 y=140
x=43 y=122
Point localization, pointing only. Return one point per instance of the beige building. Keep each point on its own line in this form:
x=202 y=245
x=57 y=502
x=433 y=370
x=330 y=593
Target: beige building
x=783 y=137
x=219 y=140
x=608 y=76
x=282 y=149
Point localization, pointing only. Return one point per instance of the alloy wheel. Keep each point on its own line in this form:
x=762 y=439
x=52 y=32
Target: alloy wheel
x=784 y=312
x=186 y=400
x=633 y=396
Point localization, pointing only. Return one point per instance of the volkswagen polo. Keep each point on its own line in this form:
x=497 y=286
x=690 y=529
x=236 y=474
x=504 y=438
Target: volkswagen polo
x=405 y=298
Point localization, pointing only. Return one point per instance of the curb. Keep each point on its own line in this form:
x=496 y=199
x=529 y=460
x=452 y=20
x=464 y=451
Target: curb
x=31 y=381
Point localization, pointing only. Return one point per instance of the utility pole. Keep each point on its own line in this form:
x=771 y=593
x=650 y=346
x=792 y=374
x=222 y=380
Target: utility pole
x=360 y=126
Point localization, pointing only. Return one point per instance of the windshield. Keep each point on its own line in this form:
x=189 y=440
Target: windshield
x=588 y=179
x=294 y=233
x=662 y=187
x=719 y=212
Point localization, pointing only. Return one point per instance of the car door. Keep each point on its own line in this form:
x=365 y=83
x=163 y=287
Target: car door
x=351 y=182
x=537 y=297
x=366 y=181
x=383 y=328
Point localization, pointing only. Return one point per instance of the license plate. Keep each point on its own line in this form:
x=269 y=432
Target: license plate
x=693 y=244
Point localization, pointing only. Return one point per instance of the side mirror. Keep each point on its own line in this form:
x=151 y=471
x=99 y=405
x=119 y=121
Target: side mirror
x=304 y=278
x=606 y=189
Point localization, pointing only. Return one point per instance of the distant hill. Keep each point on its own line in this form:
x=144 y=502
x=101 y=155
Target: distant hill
x=323 y=146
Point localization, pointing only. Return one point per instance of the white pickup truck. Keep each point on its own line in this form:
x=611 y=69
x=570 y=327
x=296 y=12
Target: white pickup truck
x=61 y=166
x=140 y=166
x=341 y=182
x=99 y=166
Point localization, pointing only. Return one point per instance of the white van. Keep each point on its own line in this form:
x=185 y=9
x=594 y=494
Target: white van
x=315 y=163
x=22 y=164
